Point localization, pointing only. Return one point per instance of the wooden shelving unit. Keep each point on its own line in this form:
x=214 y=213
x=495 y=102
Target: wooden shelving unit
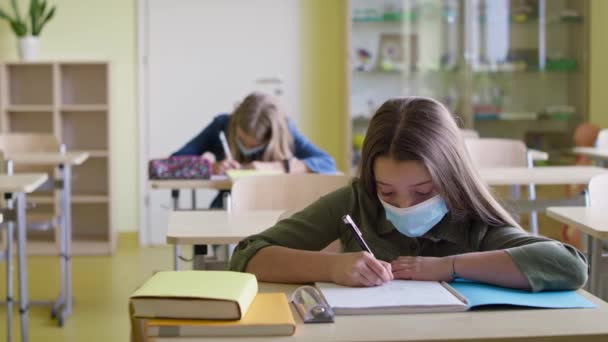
x=72 y=101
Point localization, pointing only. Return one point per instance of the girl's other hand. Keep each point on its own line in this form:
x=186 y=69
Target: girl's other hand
x=423 y=268
x=220 y=168
x=359 y=269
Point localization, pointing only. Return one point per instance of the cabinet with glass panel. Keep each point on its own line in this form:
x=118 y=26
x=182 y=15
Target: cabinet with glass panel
x=506 y=68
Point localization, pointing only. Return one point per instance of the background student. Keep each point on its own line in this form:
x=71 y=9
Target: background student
x=424 y=212
x=259 y=136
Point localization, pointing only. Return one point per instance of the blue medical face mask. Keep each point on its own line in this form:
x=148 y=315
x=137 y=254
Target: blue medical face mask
x=416 y=220
x=248 y=152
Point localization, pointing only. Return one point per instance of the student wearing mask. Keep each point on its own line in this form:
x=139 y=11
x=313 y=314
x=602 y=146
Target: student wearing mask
x=424 y=212
x=259 y=136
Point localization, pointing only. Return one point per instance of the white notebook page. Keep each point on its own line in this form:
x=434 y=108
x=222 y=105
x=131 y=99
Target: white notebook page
x=396 y=293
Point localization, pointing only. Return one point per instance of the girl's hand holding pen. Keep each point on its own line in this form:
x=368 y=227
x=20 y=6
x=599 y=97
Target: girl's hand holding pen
x=359 y=269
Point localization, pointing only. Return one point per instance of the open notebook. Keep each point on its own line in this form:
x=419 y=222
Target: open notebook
x=408 y=296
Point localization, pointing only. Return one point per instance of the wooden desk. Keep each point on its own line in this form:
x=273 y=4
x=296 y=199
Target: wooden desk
x=48 y=158
x=217 y=226
x=590 y=220
x=593 y=221
x=64 y=161
x=542 y=175
x=598 y=154
x=515 y=325
x=15 y=187
x=215 y=183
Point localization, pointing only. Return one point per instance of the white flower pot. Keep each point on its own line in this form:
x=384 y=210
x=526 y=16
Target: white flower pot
x=28 y=48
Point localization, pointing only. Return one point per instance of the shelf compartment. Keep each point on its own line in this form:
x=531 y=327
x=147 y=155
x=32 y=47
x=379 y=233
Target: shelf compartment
x=84 y=108
x=84 y=84
x=90 y=199
x=30 y=84
x=30 y=122
x=84 y=130
x=90 y=221
x=91 y=178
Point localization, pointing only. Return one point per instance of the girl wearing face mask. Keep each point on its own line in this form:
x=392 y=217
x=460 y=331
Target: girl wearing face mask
x=260 y=137
x=423 y=211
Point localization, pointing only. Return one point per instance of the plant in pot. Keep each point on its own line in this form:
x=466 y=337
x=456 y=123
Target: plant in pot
x=39 y=15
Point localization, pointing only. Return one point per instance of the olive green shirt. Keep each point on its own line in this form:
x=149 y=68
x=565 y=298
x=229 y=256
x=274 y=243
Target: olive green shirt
x=547 y=264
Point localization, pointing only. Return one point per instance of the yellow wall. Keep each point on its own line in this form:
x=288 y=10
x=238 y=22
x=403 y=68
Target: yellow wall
x=100 y=30
x=598 y=76
x=324 y=77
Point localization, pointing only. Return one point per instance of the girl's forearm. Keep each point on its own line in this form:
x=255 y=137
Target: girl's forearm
x=495 y=267
x=290 y=265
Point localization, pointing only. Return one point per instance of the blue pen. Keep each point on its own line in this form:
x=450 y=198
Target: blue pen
x=357 y=233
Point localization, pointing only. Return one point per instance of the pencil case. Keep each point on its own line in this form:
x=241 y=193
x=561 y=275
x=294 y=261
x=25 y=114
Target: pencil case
x=180 y=167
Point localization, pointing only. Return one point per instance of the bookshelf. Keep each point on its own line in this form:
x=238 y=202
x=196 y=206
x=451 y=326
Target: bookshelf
x=72 y=101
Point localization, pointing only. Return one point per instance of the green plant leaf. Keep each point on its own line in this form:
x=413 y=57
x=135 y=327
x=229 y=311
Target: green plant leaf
x=3 y=15
x=19 y=28
x=16 y=10
x=33 y=12
x=48 y=17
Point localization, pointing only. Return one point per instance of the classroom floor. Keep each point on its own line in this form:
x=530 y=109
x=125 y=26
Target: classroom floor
x=102 y=286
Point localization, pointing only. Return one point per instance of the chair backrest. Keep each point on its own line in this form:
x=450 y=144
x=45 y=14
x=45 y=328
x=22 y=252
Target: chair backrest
x=491 y=152
x=598 y=191
x=602 y=139
x=283 y=192
x=28 y=142
x=469 y=133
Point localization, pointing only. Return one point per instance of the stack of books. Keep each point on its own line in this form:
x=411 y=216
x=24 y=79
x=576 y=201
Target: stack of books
x=207 y=303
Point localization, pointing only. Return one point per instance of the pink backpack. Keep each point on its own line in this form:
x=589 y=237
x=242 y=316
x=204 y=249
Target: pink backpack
x=180 y=167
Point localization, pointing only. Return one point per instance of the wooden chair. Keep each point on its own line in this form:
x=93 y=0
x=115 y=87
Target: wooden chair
x=602 y=139
x=33 y=142
x=285 y=192
x=492 y=152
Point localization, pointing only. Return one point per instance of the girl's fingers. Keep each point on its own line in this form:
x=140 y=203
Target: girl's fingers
x=372 y=278
x=378 y=269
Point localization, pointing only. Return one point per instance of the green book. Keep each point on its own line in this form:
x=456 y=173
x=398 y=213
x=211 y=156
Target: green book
x=195 y=295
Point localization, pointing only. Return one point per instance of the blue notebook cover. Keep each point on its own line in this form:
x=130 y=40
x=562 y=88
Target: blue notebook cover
x=482 y=294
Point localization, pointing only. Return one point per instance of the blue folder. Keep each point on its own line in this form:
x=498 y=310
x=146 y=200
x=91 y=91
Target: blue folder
x=483 y=294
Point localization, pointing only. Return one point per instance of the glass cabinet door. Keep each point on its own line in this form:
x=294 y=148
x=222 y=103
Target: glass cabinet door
x=506 y=68
x=401 y=48
x=527 y=59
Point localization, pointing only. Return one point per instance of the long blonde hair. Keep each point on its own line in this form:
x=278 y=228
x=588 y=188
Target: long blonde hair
x=422 y=129
x=261 y=116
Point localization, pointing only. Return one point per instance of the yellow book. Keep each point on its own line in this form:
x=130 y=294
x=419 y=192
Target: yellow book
x=269 y=315
x=238 y=174
x=195 y=295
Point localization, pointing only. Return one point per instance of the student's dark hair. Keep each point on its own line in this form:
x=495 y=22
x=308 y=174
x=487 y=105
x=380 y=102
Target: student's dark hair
x=261 y=116
x=422 y=129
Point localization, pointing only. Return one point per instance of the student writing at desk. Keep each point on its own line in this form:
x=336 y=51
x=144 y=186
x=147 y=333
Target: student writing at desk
x=259 y=136
x=423 y=211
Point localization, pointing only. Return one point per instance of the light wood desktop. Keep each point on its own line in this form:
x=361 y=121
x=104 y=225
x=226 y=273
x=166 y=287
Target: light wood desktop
x=48 y=158
x=17 y=186
x=217 y=226
x=593 y=221
x=597 y=154
x=589 y=325
x=542 y=175
x=215 y=183
x=64 y=161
